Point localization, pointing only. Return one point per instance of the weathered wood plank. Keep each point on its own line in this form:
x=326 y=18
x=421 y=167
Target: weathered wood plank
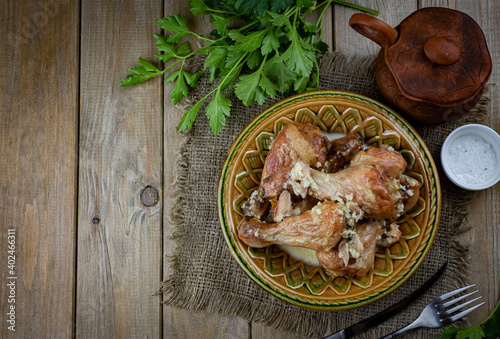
x=484 y=213
x=38 y=135
x=350 y=42
x=261 y=331
x=119 y=239
x=182 y=323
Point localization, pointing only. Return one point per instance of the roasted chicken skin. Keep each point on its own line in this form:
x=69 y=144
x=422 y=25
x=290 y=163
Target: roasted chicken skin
x=375 y=193
x=318 y=229
x=356 y=253
x=342 y=151
x=295 y=142
x=391 y=162
x=410 y=191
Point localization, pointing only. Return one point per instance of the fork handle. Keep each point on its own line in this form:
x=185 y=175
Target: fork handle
x=402 y=330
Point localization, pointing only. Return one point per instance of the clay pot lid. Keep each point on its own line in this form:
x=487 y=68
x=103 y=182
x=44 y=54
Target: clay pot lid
x=440 y=57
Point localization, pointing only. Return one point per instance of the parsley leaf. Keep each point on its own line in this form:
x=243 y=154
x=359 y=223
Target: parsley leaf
x=260 y=96
x=192 y=79
x=251 y=6
x=279 y=74
x=180 y=89
x=280 y=20
x=449 y=333
x=305 y=3
x=235 y=35
x=474 y=332
x=233 y=57
x=301 y=84
x=163 y=45
x=217 y=110
x=308 y=27
x=492 y=323
x=171 y=51
x=268 y=86
x=270 y=42
x=277 y=6
x=141 y=74
x=183 y=49
x=175 y=23
x=188 y=117
x=216 y=60
x=246 y=87
x=198 y=7
x=251 y=42
x=299 y=57
x=255 y=59
x=220 y=23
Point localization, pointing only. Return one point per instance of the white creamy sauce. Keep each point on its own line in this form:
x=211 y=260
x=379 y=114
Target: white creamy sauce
x=303 y=254
x=471 y=159
x=334 y=136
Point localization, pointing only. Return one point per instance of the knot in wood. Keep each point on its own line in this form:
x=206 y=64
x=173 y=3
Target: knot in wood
x=149 y=196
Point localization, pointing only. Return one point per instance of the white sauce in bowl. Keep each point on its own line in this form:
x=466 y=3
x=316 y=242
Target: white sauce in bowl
x=471 y=159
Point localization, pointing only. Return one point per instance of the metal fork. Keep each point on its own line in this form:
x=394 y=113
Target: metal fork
x=436 y=314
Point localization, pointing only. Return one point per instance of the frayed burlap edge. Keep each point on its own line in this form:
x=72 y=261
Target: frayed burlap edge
x=172 y=287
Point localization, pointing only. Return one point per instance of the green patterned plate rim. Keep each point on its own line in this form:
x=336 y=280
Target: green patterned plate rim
x=434 y=188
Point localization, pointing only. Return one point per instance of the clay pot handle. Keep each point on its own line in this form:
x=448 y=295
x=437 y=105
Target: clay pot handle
x=441 y=51
x=374 y=29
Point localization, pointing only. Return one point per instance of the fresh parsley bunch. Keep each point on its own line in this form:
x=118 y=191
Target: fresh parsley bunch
x=275 y=51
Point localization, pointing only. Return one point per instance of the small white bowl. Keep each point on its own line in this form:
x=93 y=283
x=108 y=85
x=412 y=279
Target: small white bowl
x=466 y=169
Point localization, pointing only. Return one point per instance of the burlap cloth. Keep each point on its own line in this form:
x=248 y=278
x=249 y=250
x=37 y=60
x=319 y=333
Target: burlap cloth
x=206 y=277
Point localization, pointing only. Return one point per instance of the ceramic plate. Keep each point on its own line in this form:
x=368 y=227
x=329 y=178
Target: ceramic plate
x=306 y=285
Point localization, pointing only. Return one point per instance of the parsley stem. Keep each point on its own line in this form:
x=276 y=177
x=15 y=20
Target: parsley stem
x=328 y=2
x=219 y=11
x=213 y=10
x=319 y=22
x=497 y=309
x=317 y=70
x=172 y=65
x=249 y=25
x=202 y=37
x=263 y=62
x=183 y=59
x=358 y=7
x=239 y=62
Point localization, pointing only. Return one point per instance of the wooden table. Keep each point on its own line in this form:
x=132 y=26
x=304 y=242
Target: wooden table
x=76 y=151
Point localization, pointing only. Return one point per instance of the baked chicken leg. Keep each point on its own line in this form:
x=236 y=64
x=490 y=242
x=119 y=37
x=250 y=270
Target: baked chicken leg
x=318 y=229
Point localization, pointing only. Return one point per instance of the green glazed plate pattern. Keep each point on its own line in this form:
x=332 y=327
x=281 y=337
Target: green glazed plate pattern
x=290 y=279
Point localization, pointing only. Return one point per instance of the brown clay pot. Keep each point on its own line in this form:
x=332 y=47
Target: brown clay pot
x=433 y=67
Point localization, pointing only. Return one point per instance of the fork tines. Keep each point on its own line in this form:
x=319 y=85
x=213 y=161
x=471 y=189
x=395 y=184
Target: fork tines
x=443 y=306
